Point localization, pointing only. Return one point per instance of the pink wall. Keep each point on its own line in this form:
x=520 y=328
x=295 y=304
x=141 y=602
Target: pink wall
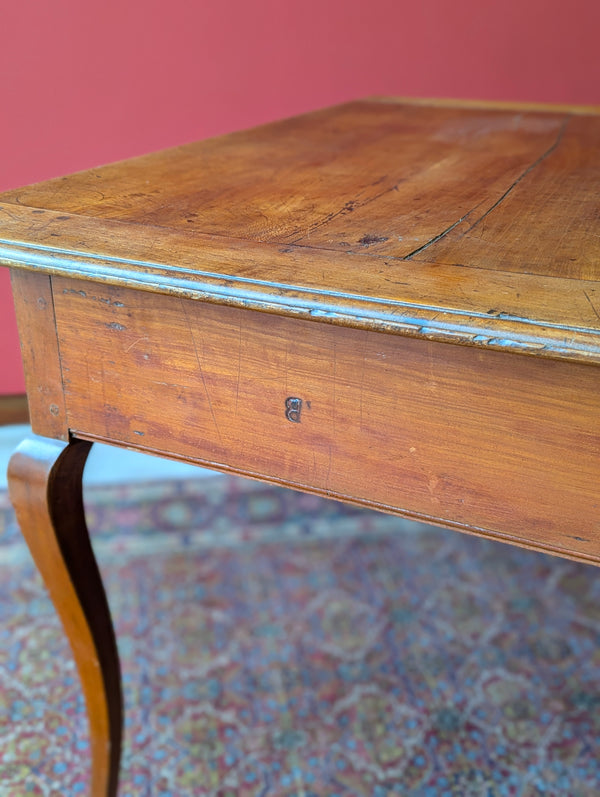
x=86 y=83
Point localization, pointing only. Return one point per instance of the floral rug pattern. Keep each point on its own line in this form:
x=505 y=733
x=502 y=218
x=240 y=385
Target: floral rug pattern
x=278 y=644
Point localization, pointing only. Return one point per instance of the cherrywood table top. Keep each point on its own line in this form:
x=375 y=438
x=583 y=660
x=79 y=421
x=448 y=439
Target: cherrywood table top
x=478 y=224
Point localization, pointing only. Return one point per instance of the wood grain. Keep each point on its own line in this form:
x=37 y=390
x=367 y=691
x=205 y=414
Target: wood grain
x=44 y=479
x=544 y=316
x=386 y=177
x=550 y=234
x=474 y=440
x=435 y=220
x=395 y=303
x=39 y=349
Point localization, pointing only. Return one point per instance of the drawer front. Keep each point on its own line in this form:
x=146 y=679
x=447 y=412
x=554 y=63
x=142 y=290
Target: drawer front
x=477 y=439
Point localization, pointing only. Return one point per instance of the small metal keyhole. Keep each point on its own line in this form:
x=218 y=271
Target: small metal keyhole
x=293 y=408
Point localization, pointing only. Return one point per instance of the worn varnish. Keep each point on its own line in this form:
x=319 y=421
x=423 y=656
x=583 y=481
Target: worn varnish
x=474 y=223
x=372 y=176
x=392 y=302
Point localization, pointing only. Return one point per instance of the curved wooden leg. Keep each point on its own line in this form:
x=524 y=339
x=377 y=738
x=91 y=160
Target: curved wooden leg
x=44 y=478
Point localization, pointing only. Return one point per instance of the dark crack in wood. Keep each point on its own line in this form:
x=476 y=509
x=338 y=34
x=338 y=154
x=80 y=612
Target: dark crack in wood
x=513 y=185
x=522 y=176
x=592 y=305
x=349 y=207
x=439 y=236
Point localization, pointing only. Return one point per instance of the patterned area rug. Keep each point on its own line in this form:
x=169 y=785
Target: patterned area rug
x=278 y=644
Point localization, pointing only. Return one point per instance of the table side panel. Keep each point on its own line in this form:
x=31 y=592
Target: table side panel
x=32 y=294
x=482 y=440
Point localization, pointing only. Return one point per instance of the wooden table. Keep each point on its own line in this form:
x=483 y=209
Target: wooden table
x=395 y=303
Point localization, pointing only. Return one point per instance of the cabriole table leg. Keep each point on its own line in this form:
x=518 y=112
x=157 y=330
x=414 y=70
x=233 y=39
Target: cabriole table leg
x=45 y=488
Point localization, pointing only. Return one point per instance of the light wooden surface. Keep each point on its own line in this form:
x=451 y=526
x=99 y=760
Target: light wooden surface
x=396 y=303
x=471 y=224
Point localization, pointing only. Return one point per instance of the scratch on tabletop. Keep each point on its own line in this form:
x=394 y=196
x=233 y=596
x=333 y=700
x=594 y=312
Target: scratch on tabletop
x=135 y=343
x=10 y=215
x=592 y=305
x=349 y=207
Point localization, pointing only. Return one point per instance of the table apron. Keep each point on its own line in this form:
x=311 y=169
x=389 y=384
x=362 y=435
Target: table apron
x=490 y=442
